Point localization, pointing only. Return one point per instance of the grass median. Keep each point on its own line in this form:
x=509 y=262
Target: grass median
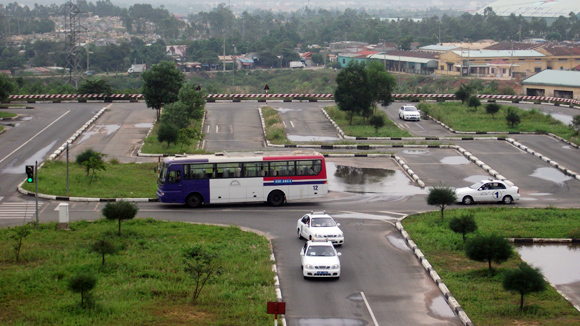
x=117 y=181
x=152 y=145
x=480 y=294
x=144 y=283
x=360 y=127
x=275 y=131
x=462 y=118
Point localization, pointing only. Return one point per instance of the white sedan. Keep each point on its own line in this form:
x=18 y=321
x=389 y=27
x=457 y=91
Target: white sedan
x=319 y=226
x=488 y=191
x=409 y=112
x=320 y=259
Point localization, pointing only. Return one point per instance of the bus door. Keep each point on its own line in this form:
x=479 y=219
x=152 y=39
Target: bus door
x=173 y=185
x=254 y=173
x=225 y=183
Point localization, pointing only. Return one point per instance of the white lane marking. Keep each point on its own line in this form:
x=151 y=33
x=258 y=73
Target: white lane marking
x=284 y=123
x=208 y=126
x=369 y=308
x=292 y=123
x=231 y=129
x=217 y=129
x=28 y=141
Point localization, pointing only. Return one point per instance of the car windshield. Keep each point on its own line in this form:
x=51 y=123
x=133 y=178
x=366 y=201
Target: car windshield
x=410 y=108
x=320 y=251
x=323 y=222
x=476 y=185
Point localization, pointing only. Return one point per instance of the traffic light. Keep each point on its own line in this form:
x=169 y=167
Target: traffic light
x=30 y=173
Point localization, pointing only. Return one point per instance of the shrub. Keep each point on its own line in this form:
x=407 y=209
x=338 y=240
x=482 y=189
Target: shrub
x=121 y=210
x=492 y=108
x=474 y=102
x=512 y=117
x=169 y=133
x=464 y=224
x=441 y=196
x=523 y=280
x=83 y=284
x=490 y=248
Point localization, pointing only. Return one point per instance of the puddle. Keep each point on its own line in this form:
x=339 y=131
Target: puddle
x=36 y=157
x=415 y=151
x=144 y=125
x=362 y=216
x=330 y=322
x=440 y=308
x=551 y=174
x=352 y=179
x=398 y=243
x=112 y=128
x=476 y=178
x=27 y=118
x=528 y=199
x=559 y=263
x=566 y=147
x=311 y=138
x=454 y=160
x=86 y=135
x=284 y=110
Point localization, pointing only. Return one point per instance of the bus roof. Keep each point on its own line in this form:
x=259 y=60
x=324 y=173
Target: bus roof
x=243 y=156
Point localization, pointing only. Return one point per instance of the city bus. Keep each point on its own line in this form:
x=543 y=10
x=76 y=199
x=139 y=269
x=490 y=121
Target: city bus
x=272 y=177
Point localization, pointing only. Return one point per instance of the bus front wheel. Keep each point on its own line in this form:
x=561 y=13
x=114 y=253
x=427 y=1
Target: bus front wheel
x=276 y=198
x=194 y=200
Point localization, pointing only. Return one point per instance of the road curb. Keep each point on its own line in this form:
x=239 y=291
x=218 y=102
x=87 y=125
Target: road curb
x=451 y=301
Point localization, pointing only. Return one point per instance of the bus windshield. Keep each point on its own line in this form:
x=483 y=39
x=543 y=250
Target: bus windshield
x=162 y=174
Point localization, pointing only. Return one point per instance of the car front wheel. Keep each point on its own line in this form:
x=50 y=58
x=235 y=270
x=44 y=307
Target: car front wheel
x=467 y=200
x=300 y=235
x=507 y=200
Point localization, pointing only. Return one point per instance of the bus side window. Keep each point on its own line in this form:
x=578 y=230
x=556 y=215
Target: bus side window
x=174 y=176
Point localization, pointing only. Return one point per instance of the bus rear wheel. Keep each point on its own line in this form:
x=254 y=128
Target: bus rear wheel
x=193 y=200
x=276 y=198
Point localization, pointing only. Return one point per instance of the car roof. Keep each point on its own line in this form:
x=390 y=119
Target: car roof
x=319 y=214
x=320 y=243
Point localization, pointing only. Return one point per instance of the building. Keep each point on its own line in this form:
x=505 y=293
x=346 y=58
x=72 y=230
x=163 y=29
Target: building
x=553 y=83
x=550 y=10
x=414 y=62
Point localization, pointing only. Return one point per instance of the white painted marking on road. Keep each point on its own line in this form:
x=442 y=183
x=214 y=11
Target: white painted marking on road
x=231 y=129
x=395 y=213
x=13 y=210
x=369 y=308
x=292 y=123
x=217 y=129
x=208 y=126
x=34 y=136
x=284 y=123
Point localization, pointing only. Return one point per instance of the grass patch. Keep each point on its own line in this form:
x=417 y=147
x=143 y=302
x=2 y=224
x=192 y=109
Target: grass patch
x=361 y=127
x=7 y=114
x=153 y=146
x=117 y=181
x=275 y=131
x=480 y=294
x=462 y=118
x=143 y=284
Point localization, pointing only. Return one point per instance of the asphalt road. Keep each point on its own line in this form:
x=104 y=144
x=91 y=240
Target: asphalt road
x=376 y=265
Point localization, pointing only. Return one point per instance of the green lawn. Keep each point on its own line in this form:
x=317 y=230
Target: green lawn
x=117 y=181
x=153 y=146
x=7 y=114
x=480 y=294
x=462 y=118
x=275 y=131
x=143 y=284
x=361 y=127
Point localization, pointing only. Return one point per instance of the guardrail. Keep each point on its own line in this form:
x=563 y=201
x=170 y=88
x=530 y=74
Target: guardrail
x=284 y=97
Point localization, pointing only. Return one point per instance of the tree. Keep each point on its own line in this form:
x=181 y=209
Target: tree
x=20 y=232
x=175 y=114
x=490 y=248
x=353 y=94
x=201 y=263
x=6 y=87
x=188 y=135
x=168 y=132
x=512 y=117
x=95 y=163
x=381 y=82
x=377 y=121
x=523 y=280
x=474 y=102
x=103 y=247
x=463 y=93
x=83 y=284
x=492 y=108
x=463 y=224
x=161 y=85
x=441 y=196
x=193 y=100
x=95 y=86
x=121 y=210
x=576 y=124
x=85 y=156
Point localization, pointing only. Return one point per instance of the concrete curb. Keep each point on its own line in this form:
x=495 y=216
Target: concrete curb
x=277 y=282
x=451 y=301
x=83 y=199
x=482 y=165
x=555 y=164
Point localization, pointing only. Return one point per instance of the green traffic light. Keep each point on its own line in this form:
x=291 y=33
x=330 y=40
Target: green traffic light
x=30 y=180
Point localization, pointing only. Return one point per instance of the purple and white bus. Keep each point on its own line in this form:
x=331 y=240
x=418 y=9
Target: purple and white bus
x=274 y=178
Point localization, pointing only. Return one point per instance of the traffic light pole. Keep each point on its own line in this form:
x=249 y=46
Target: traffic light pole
x=36 y=195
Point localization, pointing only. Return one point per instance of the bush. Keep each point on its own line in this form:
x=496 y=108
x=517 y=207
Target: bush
x=121 y=210
x=441 y=196
x=490 y=248
x=523 y=280
x=83 y=284
x=463 y=93
x=464 y=224
x=169 y=133
x=474 y=102
x=377 y=121
x=492 y=108
x=512 y=117
x=85 y=156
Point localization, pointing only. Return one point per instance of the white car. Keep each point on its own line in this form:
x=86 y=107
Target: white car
x=319 y=226
x=409 y=112
x=488 y=191
x=320 y=259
